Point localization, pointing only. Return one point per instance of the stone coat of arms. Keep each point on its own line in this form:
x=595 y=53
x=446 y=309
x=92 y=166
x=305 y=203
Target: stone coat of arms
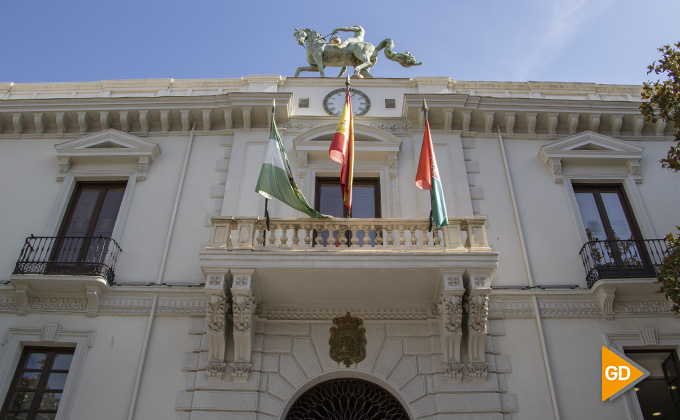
x=348 y=340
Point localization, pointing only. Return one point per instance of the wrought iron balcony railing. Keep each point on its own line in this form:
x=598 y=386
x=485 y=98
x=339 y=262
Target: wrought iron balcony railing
x=69 y=255
x=622 y=259
x=339 y=234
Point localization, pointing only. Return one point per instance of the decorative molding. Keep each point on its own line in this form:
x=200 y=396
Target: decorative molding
x=50 y=332
x=58 y=304
x=531 y=122
x=478 y=313
x=453 y=371
x=642 y=307
x=228 y=122
x=573 y=123
x=62 y=126
x=185 y=117
x=246 y=116
x=240 y=370
x=104 y=120
x=207 y=121
x=552 y=122
x=18 y=123
x=368 y=313
x=477 y=371
x=214 y=370
x=64 y=166
x=510 y=122
x=242 y=306
x=605 y=295
x=594 y=122
x=488 y=121
x=144 y=121
x=39 y=122
x=124 y=121
x=649 y=336
x=82 y=122
x=165 y=121
x=452 y=310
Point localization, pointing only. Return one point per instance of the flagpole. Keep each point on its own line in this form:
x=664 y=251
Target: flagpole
x=347 y=83
x=425 y=112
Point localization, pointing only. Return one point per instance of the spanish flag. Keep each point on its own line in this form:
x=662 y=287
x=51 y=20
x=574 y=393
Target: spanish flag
x=427 y=177
x=342 y=151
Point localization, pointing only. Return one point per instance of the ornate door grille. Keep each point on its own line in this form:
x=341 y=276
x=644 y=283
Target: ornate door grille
x=347 y=399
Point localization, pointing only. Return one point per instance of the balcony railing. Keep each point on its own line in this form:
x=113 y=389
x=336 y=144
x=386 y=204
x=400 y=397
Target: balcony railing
x=339 y=234
x=622 y=259
x=75 y=256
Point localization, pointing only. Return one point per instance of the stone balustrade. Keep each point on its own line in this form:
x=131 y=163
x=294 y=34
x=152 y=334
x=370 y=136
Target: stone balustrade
x=465 y=234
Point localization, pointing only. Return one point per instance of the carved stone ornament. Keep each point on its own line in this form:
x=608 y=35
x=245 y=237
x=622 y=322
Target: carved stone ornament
x=348 y=340
x=240 y=370
x=453 y=371
x=242 y=308
x=453 y=313
x=215 y=370
x=477 y=370
x=479 y=311
x=215 y=314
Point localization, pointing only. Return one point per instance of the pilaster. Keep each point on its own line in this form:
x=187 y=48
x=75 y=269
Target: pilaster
x=451 y=317
x=216 y=297
x=243 y=308
x=478 y=288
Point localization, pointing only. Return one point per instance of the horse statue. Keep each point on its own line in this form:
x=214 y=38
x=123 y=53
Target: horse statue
x=360 y=55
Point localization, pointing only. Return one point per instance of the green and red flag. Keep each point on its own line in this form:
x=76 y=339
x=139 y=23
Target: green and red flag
x=276 y=178
x=427 y=178
x=342 y=151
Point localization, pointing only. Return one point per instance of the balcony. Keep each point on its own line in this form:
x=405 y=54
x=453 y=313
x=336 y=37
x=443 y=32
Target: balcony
x=69 y=256
x=343 y=261
x=622 y=259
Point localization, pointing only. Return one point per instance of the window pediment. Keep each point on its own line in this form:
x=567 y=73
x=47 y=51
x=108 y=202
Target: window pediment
x=368 y=141
x=591 y=148
x=107 y=146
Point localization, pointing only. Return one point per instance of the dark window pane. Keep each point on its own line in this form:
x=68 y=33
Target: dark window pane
x=35 y=361
x=109 y=212
x=17 y=416
x=617 y=216
x=29 y=380
x=46 y=416
x=591 y=216
x=22 y=400
x=82 y=213
x=331 y=200
x=363 y=201
x=62 y=362
x=50 y=401
x=56 y=381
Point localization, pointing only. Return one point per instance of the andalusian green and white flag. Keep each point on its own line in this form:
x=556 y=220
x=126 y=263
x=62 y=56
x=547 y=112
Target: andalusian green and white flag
x=276 y=178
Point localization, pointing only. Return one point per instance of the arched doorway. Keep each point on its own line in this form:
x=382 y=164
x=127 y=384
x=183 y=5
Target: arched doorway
x=347 y=399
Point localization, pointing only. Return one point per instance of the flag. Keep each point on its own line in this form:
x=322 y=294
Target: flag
x=276 y=178
x=342 y=151
x=427 y=178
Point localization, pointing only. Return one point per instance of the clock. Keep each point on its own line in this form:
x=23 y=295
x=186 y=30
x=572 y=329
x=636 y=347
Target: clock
x=335 y=101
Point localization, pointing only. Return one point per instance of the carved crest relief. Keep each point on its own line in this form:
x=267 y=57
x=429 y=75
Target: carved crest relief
x=348 y=340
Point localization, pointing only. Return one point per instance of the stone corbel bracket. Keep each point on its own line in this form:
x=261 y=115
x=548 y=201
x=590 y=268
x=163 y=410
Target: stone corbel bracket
x=243 y=308
x=216 y=317
x=451 y=323
x=478 y=287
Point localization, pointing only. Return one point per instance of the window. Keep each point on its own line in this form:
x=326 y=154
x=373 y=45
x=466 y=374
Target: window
x=365 y=203
x=605 y=213
x=659 y=393
x=615 y=248
x=365 y=198
x=84 y=244
x=38 y=384
x=89 y=221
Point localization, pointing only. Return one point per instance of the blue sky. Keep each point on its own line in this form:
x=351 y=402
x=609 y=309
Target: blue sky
x=601 y=41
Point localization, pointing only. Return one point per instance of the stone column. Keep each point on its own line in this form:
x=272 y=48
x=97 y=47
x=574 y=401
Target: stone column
x=478 y=289
x=451 y=315
x=243 y=308
x=215 y=285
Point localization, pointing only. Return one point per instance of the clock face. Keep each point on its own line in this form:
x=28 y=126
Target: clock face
x=335 y=101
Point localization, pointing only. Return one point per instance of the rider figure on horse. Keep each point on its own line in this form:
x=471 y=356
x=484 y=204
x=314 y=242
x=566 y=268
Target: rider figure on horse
x=358 y=35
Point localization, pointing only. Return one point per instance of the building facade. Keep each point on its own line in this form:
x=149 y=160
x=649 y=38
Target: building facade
x=139 y=280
